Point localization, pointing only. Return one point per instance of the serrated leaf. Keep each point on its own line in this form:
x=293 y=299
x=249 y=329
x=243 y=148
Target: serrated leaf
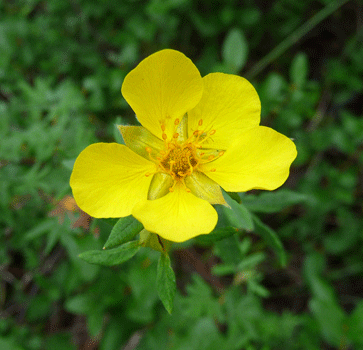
x=124 y=230
x=272 y=239
x=111 y=257
x=235 y=50
x=165 y=281
x=238 y=215
x=273 y=202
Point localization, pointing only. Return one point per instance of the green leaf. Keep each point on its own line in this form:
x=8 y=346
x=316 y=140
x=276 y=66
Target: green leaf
x=8 y=343
x=330 y=318
x=238 y=215
x=355 y=325
x=235 y=50
x=111 y=257
x=273 y=202
x=124 y=230
x=216 y=235
x=299 y=69
x=271 y=238
x=165 y=280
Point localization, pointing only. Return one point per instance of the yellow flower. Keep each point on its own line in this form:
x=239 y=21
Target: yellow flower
x=197 y=134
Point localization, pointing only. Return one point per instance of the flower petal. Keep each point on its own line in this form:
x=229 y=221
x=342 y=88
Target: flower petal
x=108 y=179
x=259 y=159
x=178 y=216
x=230 y=105
x=137 y=138
x=162 y=88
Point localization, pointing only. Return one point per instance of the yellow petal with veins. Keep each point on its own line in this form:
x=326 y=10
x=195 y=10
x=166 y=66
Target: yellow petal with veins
x=259 y=159
x=161 y=89
x=230 y=105
x=108 y=179
x=178 y=216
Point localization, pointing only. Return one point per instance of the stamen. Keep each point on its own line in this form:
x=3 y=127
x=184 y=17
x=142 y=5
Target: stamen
x=164 y=136
x=212 y=132
x=148 y=150
x=185 y=186
x=200 y=122
x=176 y=135
x=176 y=121
x=172 y=162
x=211 y=157
x=171 y=189
x=220 y=154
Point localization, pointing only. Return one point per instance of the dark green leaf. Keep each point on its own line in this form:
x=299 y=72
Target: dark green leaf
x=124 y=230
x=216 y=235
x=330 y=318
x=238 y=215
x=165 y=279
x=355 y=328
x=229 y=251
x=111 y=257
x=273 y=202
x=271 y=238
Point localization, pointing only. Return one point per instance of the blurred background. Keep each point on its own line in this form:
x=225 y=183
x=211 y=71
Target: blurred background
x=62 y=64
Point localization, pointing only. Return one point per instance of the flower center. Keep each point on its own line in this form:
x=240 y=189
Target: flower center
x=180 y=160
x=183 y=155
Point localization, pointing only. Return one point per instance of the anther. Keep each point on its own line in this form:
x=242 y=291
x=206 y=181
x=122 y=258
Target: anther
x=212 y=132
x=176 y=121
x=176 y=135
x=196 y=133
x=164 y=136
x=147 y=174
x=220 y=154
x=148 y=150
x=200 y=122
x=211 y=157
x=212 y=170
x=163 y=127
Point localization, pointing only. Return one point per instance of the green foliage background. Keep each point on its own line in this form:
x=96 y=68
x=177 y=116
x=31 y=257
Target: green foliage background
x=62 y=64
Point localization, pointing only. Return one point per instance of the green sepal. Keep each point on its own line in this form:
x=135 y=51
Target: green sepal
x=155 y=242
x=271 y=238
x=124 y=230
x=111 y=257
x=165 y=281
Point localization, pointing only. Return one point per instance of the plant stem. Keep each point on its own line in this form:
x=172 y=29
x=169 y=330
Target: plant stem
x=294 y=37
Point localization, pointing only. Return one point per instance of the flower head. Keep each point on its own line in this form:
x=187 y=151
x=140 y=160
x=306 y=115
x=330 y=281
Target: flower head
x=197 y=135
